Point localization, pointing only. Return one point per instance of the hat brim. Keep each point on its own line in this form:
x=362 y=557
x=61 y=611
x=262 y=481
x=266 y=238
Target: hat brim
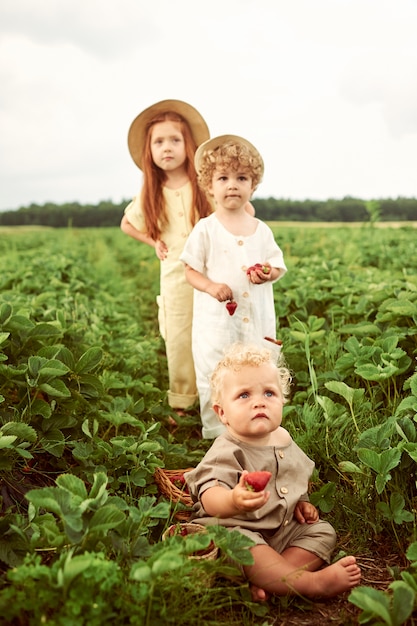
x=215 y=142
x=137 y=132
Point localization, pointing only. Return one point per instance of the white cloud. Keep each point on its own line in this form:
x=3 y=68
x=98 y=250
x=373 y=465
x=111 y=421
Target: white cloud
x=325 y=89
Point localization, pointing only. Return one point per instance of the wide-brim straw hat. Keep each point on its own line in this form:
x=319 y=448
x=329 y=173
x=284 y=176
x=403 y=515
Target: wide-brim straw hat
x=215 y=142
x=138 y=128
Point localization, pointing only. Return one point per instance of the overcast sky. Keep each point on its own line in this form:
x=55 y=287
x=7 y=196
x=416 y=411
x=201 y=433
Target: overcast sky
x=325 y=89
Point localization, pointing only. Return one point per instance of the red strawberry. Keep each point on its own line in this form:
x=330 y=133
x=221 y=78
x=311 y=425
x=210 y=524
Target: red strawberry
x=252 y=268
x=231 y=306
x=257 y=481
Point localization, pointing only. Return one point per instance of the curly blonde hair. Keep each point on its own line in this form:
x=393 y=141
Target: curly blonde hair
x=240 y=355
x=230 y=155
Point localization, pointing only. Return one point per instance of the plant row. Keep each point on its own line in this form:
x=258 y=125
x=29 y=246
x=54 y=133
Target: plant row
x=84 y=425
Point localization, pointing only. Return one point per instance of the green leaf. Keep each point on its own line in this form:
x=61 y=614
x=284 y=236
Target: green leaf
x=56 y=388
x=118 y=418
x=377 y=373
x=43 y=330
x=98 y=490
x=59 y=502
x=364 y=329
x=168 y=561
x=24 y=432
x=106 y=518
x=6 y=441
x=3 y=337
x=349 y=394
x=350 y=468
x=90 y=386
x=73 y=485
x=141 y=572
x=410 y=580
x=381 y=462
x=5 y=312
x=53 y=369
x=73 y=567
x=403 y=601
x=411 y=553
x=40 y=407
x=324 y=498
x=20 y=323
x=411 y=449
x=89 y=360
x=53 y=441
x=374 y=602
x=233 y=544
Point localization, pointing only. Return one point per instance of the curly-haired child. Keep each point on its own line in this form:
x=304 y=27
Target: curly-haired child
x=229 y=256
x=292 y=544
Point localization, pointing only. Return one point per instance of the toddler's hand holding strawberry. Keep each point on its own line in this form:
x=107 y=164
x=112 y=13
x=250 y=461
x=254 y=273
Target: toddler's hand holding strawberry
x=259 y=273
x=220 y=291
x=246 y=500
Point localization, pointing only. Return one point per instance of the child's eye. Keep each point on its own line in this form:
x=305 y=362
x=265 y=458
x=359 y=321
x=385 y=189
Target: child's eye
x=269 y=393
x=244 y=394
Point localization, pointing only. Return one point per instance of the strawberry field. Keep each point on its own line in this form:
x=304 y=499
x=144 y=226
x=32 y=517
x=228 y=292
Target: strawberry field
x=84 y=428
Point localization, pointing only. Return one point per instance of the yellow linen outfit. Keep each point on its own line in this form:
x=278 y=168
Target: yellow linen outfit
x=274 y=523
x=175 y=301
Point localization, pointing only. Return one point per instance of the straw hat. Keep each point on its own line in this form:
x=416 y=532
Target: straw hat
x=138 y=128
x=215 y=142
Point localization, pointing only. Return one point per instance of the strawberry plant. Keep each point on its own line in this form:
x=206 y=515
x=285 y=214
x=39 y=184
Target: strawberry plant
x=84 y=425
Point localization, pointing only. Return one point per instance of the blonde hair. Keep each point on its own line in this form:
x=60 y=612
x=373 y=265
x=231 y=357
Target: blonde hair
x=238 y=356
x=230 y=155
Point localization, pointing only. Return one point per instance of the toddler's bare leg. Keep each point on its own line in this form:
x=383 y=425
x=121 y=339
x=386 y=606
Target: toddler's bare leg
x=296 y=572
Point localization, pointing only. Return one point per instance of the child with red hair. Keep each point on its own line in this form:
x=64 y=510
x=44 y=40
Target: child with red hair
x=162 y=141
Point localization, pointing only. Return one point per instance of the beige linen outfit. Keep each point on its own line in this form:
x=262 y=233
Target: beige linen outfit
x=274 y=523
x=175 y=301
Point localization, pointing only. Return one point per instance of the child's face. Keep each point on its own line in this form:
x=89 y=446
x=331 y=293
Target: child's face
x=251 y=402
x=168 y=146
x=231 y=189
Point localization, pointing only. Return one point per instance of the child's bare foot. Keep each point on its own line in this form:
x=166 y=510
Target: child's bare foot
x=341 y=576
x=258 y=594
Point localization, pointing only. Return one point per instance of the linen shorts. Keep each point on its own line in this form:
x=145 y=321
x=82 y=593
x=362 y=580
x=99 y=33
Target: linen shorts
x=318 y=538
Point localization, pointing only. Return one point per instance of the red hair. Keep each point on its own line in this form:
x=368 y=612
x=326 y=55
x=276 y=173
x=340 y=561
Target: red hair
x=153 y=180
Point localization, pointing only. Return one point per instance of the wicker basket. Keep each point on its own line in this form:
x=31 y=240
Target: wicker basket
x=189 y=528
x=172 y=486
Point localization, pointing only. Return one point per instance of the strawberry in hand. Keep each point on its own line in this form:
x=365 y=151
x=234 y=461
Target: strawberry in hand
x=253 y=268
x=259 y=273
x=231 y=306
x=257 y=481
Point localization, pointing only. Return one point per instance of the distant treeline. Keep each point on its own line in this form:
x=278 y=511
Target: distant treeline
x=107 y=213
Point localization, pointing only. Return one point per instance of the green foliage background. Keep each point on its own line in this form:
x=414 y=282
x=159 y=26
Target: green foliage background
x=84 y=424
x=107 y=213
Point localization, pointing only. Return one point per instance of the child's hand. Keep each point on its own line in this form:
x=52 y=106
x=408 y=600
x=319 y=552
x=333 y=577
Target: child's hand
x=259 y=274
x=306 y=513
x=161 y=250
x=245 y=500
x=220 y=291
